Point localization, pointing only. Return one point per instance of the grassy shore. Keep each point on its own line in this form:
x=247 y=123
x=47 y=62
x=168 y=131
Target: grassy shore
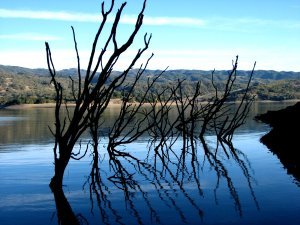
x=113 y=103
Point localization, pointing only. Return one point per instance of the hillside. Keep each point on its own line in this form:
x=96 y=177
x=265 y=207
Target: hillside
x=186 y=74
x=23 y=85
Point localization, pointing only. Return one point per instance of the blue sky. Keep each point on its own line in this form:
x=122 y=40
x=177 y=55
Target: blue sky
x=191 y=34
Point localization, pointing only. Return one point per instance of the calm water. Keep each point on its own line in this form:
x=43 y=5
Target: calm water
x=255 y=190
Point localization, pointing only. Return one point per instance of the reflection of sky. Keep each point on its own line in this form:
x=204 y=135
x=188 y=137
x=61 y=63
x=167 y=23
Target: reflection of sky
x=25 y=194
x=25 y=154
x=26 y=169
x=7 y=119
x=31 y=126
x=34 y=202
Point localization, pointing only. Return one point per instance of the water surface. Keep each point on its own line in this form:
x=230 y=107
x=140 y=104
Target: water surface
x=197 y=196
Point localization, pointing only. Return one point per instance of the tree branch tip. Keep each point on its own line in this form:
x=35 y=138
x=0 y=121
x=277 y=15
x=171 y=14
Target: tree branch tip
x=144 y=5
x=47 y=46
x=102 y=9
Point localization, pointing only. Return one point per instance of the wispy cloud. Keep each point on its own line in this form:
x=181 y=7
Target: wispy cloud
x=248 y=24
x=48 y=15
x=84 y=17
x=219 y=23
x=171 y=21
x=29 y=37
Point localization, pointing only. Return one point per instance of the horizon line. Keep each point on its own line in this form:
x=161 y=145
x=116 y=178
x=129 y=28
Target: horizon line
x=206 y=70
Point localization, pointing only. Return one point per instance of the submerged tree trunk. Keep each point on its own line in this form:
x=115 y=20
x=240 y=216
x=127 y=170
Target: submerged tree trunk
x=57 y=180
x=60 y=164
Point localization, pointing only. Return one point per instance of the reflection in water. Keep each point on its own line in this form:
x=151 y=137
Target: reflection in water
x=140 y=180
x=147 y=186
x=65 y=214
x=176 y=179
x=25 y=126
x=283 y=139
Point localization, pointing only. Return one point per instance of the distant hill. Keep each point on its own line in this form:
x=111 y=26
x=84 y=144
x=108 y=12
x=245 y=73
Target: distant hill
x=21 y=70
x=23 y=85
x=170 y=74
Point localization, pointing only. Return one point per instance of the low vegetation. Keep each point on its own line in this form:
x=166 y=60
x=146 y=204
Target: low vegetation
x=32 y=86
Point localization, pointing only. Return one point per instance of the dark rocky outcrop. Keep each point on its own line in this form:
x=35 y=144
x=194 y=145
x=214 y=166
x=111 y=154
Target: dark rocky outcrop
x=284 y=138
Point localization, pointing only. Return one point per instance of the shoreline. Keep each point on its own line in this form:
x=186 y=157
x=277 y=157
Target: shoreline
x=117 y=103
x=47 y=105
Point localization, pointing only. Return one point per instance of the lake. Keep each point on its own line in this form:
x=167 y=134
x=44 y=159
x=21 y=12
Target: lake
x=251 y=188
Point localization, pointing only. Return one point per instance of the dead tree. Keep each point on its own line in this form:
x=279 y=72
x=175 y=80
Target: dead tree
x=91 y=99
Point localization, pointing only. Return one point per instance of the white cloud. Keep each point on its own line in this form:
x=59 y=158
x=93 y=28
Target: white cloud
x=84 y=17
x=48 y=15
x=29 y=37
x=174 y=21
x=248 y=24
x=219 y=23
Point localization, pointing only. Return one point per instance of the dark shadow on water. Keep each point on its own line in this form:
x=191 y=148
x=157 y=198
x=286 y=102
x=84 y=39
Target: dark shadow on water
x=284 y=138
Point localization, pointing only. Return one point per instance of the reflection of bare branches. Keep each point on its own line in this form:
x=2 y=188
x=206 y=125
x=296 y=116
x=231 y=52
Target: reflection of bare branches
x=173 y=117
x=98 y=189
x=222 y=172
x=176 y=125
x=218 y=164
x=65 y=214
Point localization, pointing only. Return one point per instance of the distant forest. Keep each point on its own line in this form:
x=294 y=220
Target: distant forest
x=20 y=85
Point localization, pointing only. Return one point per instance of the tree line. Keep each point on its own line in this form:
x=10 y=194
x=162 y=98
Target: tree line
x=22 y=88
